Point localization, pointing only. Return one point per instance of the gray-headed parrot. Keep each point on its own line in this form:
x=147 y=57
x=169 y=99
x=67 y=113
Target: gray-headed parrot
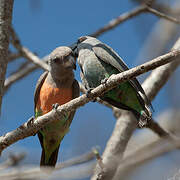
x=98 y=62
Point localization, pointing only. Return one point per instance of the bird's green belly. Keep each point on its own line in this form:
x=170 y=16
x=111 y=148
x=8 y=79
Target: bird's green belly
x=124 y=93
x=53 y=133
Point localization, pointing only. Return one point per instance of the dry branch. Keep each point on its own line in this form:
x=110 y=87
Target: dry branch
x=77 y=160
x=31 y=127
x=13 y=56
x=162 y=15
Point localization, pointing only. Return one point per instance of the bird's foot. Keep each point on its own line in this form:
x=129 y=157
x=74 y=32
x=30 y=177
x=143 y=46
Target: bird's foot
x=89 y=95
x=55 y=106
x=30 y=121
x=144 y=120
x=94 y=100
x=88 y=92
x=142 y=123
x=103 y=81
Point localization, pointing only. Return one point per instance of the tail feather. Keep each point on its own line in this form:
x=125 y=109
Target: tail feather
x=142 y=118
x=52 y=160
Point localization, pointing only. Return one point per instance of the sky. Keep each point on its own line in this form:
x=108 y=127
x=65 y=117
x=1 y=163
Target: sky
x=46 y=25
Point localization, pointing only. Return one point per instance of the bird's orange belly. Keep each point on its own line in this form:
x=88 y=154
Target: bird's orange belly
x=49 y=96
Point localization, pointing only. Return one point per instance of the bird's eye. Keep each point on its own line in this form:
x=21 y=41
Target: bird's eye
x=56 y=60
x=81 y=39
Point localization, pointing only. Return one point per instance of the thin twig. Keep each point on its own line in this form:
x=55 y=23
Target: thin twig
x=162 y=15
x=156 y=128
x=77 y=160
x=13 y=56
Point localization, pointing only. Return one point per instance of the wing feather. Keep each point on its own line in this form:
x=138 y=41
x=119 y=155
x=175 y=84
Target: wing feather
x=109 y=56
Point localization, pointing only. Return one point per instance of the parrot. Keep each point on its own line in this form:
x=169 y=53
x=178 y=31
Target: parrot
x=98 y=62
x=55 y=87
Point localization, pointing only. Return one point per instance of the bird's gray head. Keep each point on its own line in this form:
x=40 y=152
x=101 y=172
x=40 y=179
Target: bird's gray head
x=83 y=42
x=62 y=61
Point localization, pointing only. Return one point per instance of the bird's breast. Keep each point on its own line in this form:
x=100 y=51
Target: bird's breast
x=49 y=95
x=95 y=71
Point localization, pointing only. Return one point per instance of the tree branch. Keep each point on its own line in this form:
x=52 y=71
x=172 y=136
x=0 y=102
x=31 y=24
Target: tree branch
x=162 y=15
x=13 y=56
x=6 y=7
x=31 y=127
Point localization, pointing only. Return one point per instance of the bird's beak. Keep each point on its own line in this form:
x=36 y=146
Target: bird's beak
x=74 y=49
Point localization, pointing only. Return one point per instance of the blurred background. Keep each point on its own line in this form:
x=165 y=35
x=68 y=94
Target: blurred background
x=44 y=25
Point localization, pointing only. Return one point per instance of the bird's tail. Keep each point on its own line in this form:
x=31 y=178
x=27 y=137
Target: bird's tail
x=51 y=161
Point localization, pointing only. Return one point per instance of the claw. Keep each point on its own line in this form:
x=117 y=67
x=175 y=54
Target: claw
x=103 y=81
x=94 y=100
x=55 y=106
x=30 y=122
x=142 y=123
x=88 y=93
x=144 y=119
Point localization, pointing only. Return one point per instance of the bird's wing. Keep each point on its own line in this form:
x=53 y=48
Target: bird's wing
x=108 y=55
x=76 y=90
x=38 y=87
x=36 y=96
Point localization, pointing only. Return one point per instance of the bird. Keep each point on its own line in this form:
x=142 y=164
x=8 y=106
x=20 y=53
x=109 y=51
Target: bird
x=98 y=62
x=55 y=87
